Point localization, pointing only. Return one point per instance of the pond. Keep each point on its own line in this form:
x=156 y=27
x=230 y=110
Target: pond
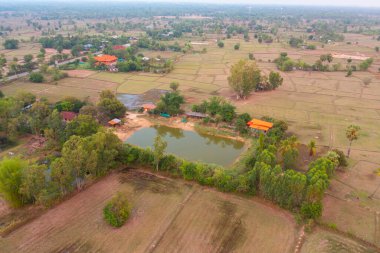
x=191 y=145
x=135 y=101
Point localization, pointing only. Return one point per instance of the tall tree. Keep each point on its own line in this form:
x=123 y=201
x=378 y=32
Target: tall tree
x=33 y=182
x=159 y=149
x=244 y=78
x=11 y=170
x=352 y=134
x=312 y=148
x=289 y=151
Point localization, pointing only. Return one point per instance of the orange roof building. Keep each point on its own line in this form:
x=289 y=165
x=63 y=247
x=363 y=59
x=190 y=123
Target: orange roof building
x=260 y=125
x=106 y=59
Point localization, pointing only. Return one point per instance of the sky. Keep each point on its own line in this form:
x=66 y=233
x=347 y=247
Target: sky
x=347 y=3
x=361 y=3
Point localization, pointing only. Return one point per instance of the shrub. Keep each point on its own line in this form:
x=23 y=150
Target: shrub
x=311 y=210
x=36 y=77
x=342 y=157
x=117 y=211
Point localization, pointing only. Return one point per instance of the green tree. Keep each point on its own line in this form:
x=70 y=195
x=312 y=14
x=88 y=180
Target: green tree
x=171 y=103
x=289 y=151
x=39 y=114
x=62 y=176
x=312 y=148
x=106 y=146
x=244 y=78
x=55 y=131
x=237 y=46
x=33 y=182
x=28 y=58
x=110 y=106
x=352 y=134
x=220 y=44
x=11 y=44
x=11 y=171
x=83 y=125
x=36 y=77
x=117 y=211
x=174 y=86
x=275 y=79
x=79 y=158
x=159 y=150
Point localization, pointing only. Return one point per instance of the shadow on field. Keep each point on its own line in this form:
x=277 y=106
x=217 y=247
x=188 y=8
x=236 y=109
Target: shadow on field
x=230 y=231
x=147 y=182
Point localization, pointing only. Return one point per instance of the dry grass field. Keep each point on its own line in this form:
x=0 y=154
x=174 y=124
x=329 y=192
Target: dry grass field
x=168 y=216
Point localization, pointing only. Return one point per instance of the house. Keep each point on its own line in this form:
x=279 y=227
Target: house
x=260 y=125
x=118 y=47
x=145 y=58
x=68 y=116
x=114 y=122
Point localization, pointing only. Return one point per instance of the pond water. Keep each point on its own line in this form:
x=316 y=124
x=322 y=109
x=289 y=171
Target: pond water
x=191 y=145
x=135 y=101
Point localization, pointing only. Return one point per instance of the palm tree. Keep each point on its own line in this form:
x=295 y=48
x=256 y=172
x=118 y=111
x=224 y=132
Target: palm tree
x=312 y=148
x=352 y=134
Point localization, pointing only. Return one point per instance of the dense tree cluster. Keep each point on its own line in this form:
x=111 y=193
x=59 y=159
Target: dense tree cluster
x=246 y=77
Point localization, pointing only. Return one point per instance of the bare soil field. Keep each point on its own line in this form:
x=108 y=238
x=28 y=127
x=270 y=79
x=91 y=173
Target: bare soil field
x=322 y=241
x=167 y=215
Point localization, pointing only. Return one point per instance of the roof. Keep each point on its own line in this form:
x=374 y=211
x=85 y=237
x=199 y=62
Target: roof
x=196 y=114
x=149 y=106
x=68 y=116
x=118 y=47
x=106 y=58
x=114 y=122
x=260 y=124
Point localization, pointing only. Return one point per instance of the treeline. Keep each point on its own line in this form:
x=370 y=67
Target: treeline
x=285 y=63
x=22 y=115
x=81 y=159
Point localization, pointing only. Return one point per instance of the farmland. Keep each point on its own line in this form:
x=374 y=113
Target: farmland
x=167 y=215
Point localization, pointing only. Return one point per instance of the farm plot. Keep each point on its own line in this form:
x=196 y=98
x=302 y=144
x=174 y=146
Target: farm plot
x=167 y=216
x=75 y=87
x=327 y=242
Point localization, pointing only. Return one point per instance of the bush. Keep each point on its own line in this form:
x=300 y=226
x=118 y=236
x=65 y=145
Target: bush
x=311 y=210
x=342 y=157
x=117 y=211
x=36 y=77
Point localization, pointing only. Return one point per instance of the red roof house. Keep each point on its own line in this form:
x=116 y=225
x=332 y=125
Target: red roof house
x=118 y=47
x=68 y=116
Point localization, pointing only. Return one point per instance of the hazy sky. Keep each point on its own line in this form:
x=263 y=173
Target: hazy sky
x=363 y=3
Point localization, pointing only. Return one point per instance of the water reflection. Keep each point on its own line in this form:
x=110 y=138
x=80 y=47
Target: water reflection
x=191 y=145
